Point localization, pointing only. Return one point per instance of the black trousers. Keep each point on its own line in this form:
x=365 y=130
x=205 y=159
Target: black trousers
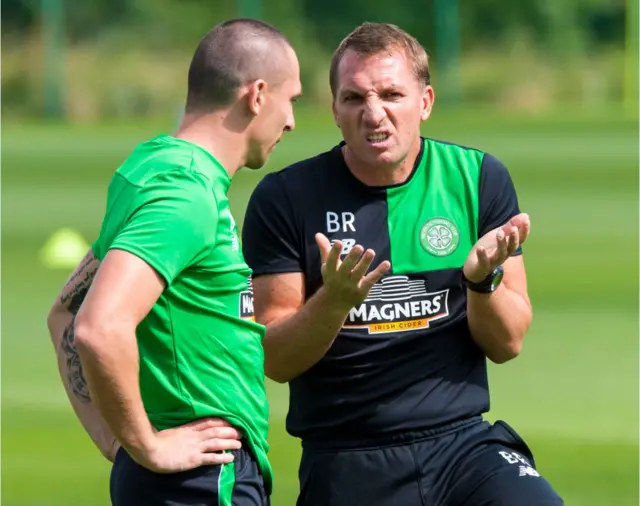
x=238 y=483
x=471 y=464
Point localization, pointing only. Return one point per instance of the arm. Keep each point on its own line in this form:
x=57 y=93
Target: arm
x=499 y=321
x=123 y=292
x=279 y=304
x=298 y=333
x=60 y=322
x=173 y=225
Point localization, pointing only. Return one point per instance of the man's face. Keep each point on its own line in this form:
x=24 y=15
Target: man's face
x=379 y=105
x=276 y=114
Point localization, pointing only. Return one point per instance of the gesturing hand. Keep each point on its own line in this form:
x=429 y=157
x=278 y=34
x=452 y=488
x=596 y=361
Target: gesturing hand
x=347 y=280
x=493 y=248
x=202 y=442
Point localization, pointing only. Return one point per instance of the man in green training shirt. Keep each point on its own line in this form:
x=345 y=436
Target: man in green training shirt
x=157 y=346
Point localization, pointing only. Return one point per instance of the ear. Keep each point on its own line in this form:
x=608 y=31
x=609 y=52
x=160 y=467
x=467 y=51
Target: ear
x=256 y=96
x=428 y=98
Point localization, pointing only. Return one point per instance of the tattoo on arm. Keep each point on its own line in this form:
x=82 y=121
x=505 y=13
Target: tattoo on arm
x=72 y=300
x=74 y=367
x=79 y=283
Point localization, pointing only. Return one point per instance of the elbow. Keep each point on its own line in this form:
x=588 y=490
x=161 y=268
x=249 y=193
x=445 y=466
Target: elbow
x=507 y=352
x=53 y=319
x=275 y=373
x=109 y=448
x=282 y=380
x=276 y=367
x=57 y=320
x=51 y=322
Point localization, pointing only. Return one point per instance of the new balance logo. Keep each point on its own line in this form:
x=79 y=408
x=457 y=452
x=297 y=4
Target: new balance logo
x=515 y=458
x=347 y=246
x=528 y=471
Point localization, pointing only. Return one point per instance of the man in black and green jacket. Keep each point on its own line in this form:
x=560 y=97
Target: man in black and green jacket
x=387 y=270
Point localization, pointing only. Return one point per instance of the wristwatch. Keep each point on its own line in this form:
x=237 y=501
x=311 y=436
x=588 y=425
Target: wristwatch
x=488 y=284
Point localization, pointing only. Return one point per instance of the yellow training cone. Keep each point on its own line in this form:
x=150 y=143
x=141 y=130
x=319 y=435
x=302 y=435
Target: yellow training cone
x=64 y=249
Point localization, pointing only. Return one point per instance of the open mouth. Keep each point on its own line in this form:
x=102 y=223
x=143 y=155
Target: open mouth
x=377 y=138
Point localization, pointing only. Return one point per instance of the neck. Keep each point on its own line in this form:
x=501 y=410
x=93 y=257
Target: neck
x=211 y=132
x=382 y=175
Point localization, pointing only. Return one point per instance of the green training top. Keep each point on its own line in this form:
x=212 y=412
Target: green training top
x=200 y=350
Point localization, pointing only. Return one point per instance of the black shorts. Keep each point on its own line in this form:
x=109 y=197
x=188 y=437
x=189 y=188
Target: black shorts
x=238 y=483
x=471 y=464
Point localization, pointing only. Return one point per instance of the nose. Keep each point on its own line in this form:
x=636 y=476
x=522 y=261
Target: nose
x=290 y=124
x=373 y=112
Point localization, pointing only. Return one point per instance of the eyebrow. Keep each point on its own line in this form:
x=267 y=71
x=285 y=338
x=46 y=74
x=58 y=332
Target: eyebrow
x=349 y=91
x=393 y=87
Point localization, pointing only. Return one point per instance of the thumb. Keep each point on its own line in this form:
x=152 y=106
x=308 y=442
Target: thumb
x=519 y=220
x=324 y=245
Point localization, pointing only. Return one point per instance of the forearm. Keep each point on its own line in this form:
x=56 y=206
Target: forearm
x=60 y=322
x=498 y=322
x=111 y=367
x=61 y=329
x=297 y=342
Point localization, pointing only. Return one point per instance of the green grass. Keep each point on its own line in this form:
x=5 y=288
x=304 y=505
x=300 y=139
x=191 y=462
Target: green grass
x=573 y=394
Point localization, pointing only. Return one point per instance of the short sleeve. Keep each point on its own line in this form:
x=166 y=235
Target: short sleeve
x=498 y=201
x=271 y=243
x=174 y=221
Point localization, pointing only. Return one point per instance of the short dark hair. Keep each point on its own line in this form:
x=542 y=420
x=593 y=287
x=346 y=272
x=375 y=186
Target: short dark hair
x=231 y=54
x=370 y=39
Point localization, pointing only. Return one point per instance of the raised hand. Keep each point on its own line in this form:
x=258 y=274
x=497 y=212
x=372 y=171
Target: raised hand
x=347 y=280
x=198 y=443
x=493 y=248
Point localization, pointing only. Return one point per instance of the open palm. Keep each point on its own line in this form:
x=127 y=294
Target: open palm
x=493 y=248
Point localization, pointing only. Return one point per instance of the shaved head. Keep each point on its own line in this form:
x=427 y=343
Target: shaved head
x=230 y=55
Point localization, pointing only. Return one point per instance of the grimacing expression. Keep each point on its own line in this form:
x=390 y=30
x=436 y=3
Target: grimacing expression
x=276 y=115
x=379 y=106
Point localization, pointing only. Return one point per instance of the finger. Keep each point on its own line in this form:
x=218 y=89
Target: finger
x=525 y=230
x=331 y=262
x=363 y=265
x=220 y=433
x=207 y=423
x=484 y=264
x=351 y=259
x=374 y=276
x=519 y=220
x=513 y=241
x=502 y=251
x=215 y=459
x=324 y=245
x=216 y=445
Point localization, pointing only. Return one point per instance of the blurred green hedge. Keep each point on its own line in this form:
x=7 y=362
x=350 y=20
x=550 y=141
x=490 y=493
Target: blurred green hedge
x=128 y=58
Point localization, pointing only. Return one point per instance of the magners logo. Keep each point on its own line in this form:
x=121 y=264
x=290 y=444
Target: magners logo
x=398 y=304
x=246 y=303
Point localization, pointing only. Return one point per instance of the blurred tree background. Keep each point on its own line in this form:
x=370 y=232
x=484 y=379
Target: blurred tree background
x=128 y=57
